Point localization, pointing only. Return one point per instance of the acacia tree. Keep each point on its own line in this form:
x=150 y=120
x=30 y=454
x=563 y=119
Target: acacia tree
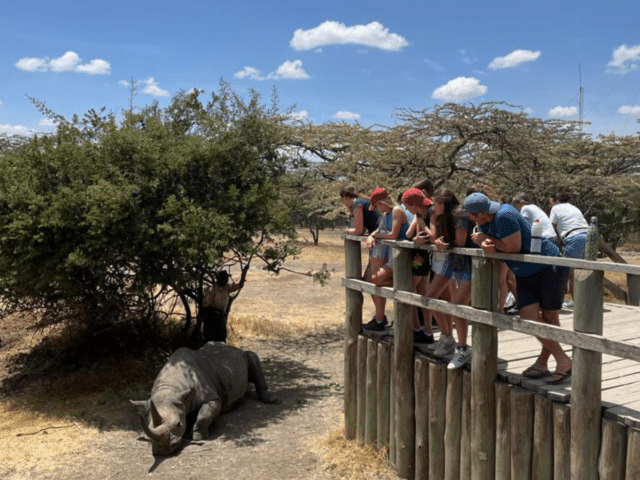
x=103 y=219
x=493 y=144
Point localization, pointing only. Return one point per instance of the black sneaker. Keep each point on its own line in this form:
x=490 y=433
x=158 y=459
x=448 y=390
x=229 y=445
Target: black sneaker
x=421 y=336
x=375 y=326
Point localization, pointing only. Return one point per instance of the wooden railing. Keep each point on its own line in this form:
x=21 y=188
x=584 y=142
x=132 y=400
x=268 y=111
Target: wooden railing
x=586 y=338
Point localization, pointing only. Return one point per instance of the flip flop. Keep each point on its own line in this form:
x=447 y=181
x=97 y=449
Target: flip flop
x=558 y=377
x=534 y=371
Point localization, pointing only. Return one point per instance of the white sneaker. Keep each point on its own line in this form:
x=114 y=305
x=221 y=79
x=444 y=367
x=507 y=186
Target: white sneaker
x=460 y=357
x=445 y=346
x=568 y=304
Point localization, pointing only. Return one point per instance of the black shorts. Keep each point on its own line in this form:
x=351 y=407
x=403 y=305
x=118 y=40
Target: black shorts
x=420 y=263
x=545 y=287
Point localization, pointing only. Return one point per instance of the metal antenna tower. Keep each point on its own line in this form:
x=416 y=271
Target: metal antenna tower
x=581 y=107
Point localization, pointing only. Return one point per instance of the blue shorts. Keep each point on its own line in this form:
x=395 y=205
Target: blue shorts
x=384 y=252
x=545 y=287
x=574 y=245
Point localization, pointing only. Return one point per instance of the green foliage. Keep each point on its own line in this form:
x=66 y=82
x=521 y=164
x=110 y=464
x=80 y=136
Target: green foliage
x=459 y=146
x=101 y=219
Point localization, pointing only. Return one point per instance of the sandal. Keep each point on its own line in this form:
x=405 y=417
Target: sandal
x=558 y=377
x=534 y=371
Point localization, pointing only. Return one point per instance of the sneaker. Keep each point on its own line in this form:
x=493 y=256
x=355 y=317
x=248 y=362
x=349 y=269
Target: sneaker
x=568 y=304
x=420 y=336
x=445 y=346
x=510 y=301
x=460 y=357
x=375 y=326
x=512 y=310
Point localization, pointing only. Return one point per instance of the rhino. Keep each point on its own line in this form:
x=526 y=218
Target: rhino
x=208 y=381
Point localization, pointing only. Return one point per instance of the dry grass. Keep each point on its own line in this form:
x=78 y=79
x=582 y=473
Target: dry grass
x=349 y=459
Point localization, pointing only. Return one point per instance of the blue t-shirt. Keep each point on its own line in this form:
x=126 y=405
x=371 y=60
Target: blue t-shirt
x=370 y=218
x=508 y=221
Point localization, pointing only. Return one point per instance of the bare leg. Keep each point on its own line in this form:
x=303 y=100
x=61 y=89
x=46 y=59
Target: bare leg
x=462 y=296
x=532 y=312
x=439 y=288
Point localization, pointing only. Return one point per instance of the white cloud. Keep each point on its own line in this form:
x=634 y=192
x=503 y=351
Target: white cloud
x=299 y=116
x=152 y=88
x=345 y=115
x=69 y=62
x=31 y=64
x=624 y=59
x=461 y=88
x=560 y=111
x=249 y=72
x=95 y=67
x=373 y=35
x=629 y=110
x=15 y=130
x=289 y=70
x=66 y=63
x=514 y=59
x=47 y=122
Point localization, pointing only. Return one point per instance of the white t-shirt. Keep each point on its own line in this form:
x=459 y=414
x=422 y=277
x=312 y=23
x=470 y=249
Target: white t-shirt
x=568 y=220
x=535 y=213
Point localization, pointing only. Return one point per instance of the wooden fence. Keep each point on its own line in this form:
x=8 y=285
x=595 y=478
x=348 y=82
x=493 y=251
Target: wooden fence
x=467 y=425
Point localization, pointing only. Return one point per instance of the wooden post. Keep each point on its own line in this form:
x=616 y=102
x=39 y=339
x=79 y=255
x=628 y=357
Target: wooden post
x=561 y=441
x=353 y=321
x=371 y=416
x=484 y=362
x=586 y=381
x=542 y=463
x=403 y=367
x=613 y=454
x=633 y=288
x=521 y=433
x=421 y=372
x=633 y=454
x=384 y=393
x=362 y=389
x=465 y=437
x=437 y=420
x=503 y=431
x=453 y=429
x=392 y=412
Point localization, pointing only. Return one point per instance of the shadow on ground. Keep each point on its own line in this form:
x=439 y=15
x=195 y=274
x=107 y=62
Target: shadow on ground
x=98 y=395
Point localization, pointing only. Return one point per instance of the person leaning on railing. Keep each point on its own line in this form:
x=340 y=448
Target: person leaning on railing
x=540 y=287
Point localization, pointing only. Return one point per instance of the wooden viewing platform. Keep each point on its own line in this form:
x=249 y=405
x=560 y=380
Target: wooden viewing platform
x=620 y=377
x=486 y=421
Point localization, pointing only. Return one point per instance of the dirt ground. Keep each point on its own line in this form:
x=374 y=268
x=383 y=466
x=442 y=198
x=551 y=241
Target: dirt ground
x=46 y=433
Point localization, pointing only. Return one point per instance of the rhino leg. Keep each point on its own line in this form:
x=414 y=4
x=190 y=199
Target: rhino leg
x=206 y=415
x=256 y=376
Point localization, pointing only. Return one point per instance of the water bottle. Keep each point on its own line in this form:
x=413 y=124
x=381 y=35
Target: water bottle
x=593 y=237
x=536 y=236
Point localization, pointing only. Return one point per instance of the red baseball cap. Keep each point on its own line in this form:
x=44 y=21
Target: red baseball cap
x=414 y=196
x=377 y=195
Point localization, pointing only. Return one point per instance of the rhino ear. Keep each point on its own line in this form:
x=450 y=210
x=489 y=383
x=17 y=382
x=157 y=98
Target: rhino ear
x=141 y=406
x=187 y=395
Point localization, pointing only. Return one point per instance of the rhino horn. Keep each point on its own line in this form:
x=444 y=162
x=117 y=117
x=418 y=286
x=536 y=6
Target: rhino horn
x=157 y=435
x=156 y=419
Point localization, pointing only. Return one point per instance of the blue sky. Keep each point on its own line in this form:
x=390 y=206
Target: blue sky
x=333 y=60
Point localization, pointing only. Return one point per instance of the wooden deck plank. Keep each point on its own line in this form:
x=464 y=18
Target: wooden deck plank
x=620 y=377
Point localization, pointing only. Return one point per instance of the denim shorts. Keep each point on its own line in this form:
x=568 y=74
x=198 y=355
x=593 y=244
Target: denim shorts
x=574 y=245
x=545 y=287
